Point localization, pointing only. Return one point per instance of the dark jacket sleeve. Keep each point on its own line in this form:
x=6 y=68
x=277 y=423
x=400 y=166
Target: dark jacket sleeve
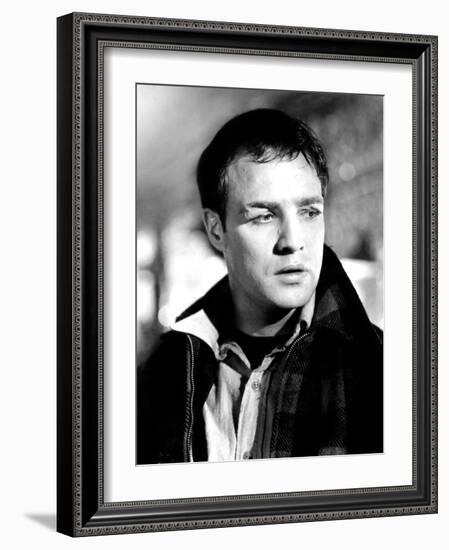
x=366 y=421
x=161 y=401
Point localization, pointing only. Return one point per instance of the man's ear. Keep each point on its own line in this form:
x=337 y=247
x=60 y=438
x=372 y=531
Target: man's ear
x=214 y=229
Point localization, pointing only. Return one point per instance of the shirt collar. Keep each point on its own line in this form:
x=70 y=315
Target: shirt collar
x=211 y=318
x=297 y=325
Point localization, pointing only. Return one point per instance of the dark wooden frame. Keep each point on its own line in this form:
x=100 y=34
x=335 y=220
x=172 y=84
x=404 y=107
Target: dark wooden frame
x=81 y=509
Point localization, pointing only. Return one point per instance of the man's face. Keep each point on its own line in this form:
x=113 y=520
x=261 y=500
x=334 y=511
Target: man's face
x=273 y=241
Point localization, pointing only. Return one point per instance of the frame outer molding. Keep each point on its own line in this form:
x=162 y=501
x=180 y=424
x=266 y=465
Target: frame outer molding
x=82 y=514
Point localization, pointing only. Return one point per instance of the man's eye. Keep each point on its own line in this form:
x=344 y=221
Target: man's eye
x=312 y=213
x=264 y=218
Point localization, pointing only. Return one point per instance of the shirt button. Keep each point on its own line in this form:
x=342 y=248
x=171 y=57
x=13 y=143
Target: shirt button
x=255 y=385
x=246 y=455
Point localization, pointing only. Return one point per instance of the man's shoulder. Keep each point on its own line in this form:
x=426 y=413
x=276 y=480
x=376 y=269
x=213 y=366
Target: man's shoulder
x=168 y=341
x=168 y=349
x=172 y=347
x=379 y=332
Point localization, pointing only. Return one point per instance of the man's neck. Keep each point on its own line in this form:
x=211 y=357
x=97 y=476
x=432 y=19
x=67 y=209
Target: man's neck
x=262 y=327
x=255 y=322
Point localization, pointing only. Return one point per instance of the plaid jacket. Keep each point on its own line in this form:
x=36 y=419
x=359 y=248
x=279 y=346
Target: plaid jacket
x=326 y=391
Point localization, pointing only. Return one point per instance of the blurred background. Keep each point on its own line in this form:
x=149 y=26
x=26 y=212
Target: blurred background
x=175 y=263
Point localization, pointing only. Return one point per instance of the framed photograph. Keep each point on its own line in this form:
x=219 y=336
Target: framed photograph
x=247 y=274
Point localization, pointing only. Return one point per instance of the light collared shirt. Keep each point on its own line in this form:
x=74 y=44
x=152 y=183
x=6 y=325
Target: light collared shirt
x=236 y=405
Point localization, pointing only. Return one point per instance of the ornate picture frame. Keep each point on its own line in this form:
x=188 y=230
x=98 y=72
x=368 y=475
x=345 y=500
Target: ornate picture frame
x=82 y=509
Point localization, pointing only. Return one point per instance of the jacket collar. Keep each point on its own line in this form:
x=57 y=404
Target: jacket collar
x=338 y=306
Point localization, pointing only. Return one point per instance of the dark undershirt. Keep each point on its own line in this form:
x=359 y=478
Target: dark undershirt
x=256 y=347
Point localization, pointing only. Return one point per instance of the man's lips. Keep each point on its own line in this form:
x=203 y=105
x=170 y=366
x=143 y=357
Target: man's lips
x=292 y=274
x=293 y=268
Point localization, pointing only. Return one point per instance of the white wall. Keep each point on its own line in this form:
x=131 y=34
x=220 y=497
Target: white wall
x=27 y=289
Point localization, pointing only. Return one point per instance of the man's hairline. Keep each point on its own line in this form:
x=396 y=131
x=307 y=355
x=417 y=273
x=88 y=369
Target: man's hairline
x=224 y=178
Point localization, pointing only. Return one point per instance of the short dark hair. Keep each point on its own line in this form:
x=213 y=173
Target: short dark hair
x=264 y=135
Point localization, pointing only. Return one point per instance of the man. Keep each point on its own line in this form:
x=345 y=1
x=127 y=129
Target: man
x=279 y=359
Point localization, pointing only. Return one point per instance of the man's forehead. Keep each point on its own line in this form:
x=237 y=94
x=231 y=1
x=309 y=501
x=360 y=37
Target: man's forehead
x=246 y=176
x=246 y=166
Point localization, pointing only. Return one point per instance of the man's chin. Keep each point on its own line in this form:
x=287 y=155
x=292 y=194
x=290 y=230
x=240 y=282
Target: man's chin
x=291 y=300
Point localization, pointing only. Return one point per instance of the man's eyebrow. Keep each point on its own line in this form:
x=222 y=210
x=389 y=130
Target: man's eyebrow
x=306 y=201
x=260 y=204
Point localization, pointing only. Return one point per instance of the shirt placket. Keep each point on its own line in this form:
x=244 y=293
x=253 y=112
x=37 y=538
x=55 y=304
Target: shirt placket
x=249 y=410
x=252 y=394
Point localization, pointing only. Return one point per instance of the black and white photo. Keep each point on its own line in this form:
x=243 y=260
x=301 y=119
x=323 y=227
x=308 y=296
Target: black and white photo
x=254 y=339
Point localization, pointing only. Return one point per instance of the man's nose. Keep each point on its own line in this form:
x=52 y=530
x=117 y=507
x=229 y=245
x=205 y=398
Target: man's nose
x=291 y=236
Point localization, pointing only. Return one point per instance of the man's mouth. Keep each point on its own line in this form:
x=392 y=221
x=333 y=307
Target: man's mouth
x=293 y=268
x=292 y=274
